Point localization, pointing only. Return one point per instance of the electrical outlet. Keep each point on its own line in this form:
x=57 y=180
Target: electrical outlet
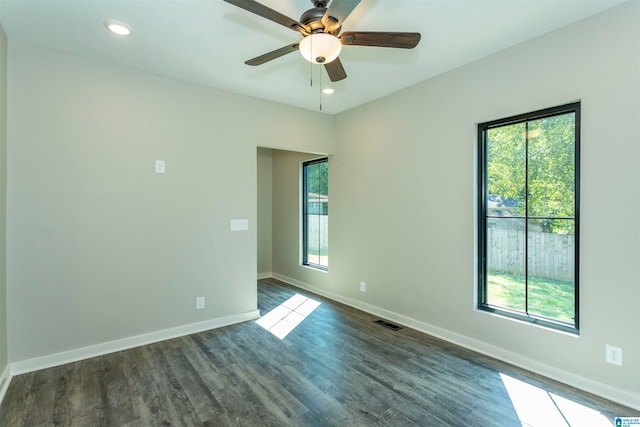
x=160 y=166
x=200 y=303
x=363 y=287
x=613 y=355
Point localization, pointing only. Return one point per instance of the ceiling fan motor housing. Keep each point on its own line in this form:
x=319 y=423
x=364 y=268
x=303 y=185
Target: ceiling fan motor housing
x=312 y=18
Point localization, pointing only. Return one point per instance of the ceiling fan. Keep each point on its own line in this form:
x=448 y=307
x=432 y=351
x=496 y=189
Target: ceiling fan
x=322 y=38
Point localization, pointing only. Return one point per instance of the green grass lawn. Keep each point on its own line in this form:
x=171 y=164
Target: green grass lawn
x=549 y=298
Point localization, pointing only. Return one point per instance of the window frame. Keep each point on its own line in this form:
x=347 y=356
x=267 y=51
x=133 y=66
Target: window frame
x=482 y=210
x=305 y=213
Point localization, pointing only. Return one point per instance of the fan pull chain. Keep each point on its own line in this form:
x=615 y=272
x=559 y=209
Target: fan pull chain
x=320 y=88
x=311 y=63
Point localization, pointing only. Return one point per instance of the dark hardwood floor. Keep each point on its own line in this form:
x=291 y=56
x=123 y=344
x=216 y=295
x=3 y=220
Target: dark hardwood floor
x=336 y=368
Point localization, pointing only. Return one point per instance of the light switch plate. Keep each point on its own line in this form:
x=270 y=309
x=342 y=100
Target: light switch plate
x=239 y=224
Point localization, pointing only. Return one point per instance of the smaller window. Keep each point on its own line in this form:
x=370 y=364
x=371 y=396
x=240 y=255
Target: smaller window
x=315 y=213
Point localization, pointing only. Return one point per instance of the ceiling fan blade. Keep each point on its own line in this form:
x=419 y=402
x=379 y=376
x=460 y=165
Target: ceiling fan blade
x=336 y=14
x=335 y=70
x=381 y=39
x=258 y=60
x=268 y=13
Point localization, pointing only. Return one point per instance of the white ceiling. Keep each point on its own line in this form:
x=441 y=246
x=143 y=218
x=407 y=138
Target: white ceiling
x=207 y=41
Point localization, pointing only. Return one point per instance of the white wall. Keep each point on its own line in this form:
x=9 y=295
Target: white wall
x=286 y=218
x=4 y=356
x=402 y=201
x=279 y=190
x=101 y=248
x=264 y=211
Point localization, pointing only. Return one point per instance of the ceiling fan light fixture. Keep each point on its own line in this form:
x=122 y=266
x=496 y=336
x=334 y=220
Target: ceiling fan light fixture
x=320 y=48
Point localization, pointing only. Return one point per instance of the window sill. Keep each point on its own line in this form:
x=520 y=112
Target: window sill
x=530 y=320
x=315 y=268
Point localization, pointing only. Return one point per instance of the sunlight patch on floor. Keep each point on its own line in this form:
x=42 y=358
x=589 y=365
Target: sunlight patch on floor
x=537 y=407
x=285 y=317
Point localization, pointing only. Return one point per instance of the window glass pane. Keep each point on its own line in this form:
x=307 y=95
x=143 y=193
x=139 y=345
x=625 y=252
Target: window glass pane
x=317 y=243
x=551 y=166
x=506 y=170
x=551 y=267
x=506 y=239
x=317 y=178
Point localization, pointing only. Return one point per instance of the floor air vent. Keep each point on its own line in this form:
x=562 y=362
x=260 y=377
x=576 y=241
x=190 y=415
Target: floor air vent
x=388 y=325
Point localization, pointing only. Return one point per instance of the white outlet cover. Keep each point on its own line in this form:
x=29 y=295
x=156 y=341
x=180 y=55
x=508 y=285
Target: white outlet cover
x=160 y=166
x=613 y=355
x=200 y=303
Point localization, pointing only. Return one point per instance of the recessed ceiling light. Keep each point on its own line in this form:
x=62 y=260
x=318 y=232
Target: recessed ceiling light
x=119 y=28
x=328 y=91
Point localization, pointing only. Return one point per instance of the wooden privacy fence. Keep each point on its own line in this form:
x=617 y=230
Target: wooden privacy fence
x=551 y=256
x=318 y=227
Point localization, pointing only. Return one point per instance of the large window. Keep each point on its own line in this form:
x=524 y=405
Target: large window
x=528 y=216
x=315 y=213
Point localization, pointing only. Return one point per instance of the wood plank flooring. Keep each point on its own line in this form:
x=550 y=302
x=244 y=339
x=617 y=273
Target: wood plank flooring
x=336 y=368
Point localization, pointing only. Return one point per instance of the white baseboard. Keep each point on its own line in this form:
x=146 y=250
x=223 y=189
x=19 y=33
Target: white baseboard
x=5 y=380
x=64 y=357
x=264 y=276
x=629 y=399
